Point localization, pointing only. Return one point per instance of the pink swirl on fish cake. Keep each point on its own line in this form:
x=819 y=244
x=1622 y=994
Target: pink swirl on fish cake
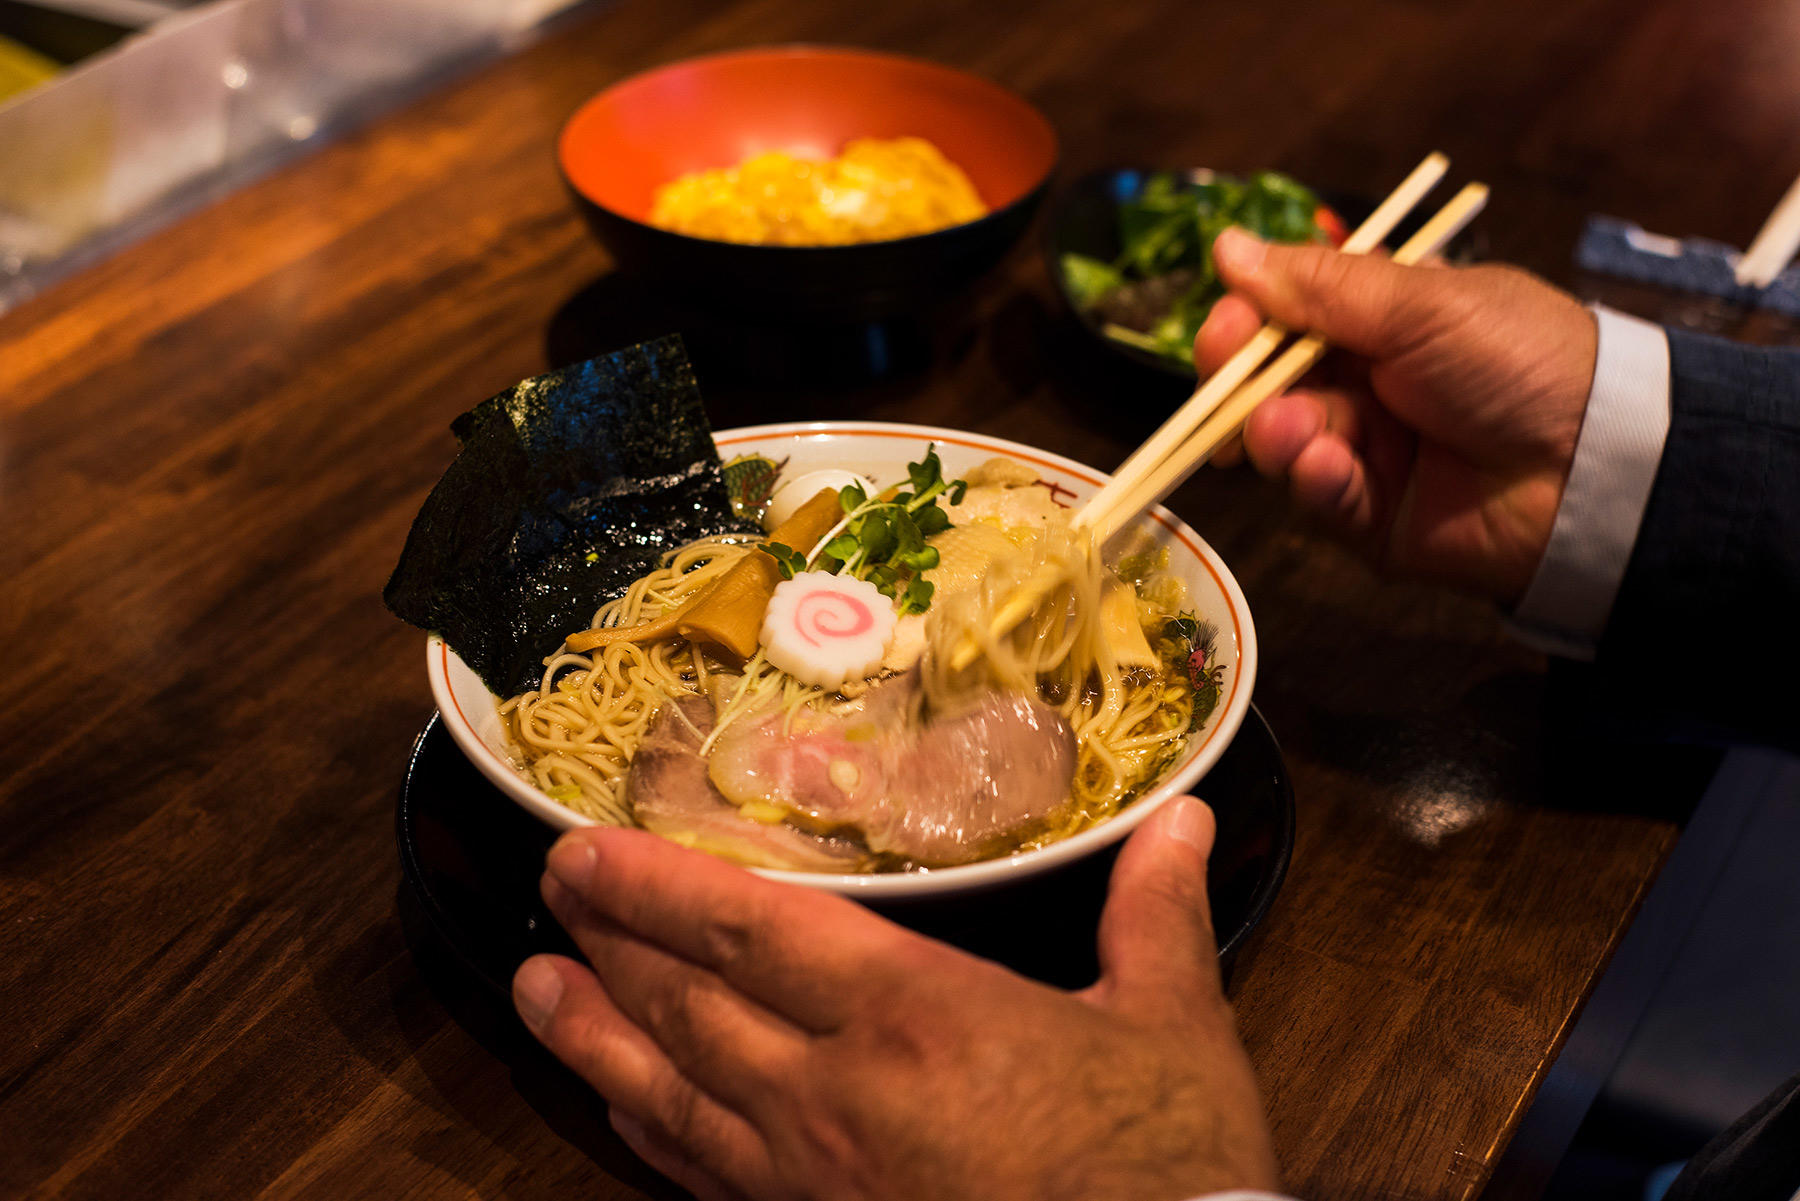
x=845 y=619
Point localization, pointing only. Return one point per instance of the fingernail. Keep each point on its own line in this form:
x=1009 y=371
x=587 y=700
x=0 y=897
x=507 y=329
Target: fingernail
x=628 y=1127
x=1186 y=823
x=553 y=892
x=571 y=861
x=1239 y=251
x=537 y=987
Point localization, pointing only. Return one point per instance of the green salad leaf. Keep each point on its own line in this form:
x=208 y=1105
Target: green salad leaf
x=1158 y=291
x=1089 y=279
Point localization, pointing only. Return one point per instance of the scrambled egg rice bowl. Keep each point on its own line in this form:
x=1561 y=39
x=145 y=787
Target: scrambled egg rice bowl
x=878 y=188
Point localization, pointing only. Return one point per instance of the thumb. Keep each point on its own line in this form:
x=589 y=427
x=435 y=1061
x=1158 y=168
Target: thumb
x=1366 y=304
x=1158 y=954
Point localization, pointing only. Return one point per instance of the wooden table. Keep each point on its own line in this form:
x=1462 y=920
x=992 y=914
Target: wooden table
x=211 y=446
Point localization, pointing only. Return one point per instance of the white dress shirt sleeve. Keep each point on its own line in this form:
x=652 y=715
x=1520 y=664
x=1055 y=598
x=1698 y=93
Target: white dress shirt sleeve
x=1565 y=609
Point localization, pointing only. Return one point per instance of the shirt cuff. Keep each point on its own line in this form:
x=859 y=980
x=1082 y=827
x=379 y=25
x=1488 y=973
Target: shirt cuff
x=1242 y=1194
x=1565 y=609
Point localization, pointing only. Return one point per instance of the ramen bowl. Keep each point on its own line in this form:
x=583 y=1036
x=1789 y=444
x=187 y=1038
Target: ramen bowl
x=718 y=110
x=880 y=452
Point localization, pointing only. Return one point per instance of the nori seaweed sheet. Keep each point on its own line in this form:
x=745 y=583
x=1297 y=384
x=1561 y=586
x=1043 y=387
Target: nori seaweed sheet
x=567 y=487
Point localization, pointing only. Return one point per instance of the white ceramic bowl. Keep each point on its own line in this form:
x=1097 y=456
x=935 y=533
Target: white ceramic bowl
x=881 y=452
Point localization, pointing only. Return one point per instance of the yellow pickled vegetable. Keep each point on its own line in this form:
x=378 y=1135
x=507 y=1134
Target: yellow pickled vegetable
x=729 y=614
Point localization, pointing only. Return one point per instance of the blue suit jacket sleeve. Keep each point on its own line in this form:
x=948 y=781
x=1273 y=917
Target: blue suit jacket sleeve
x=1706 y=626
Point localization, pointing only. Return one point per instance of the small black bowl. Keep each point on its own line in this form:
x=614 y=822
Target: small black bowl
x=1084 y=220
x=717 y=110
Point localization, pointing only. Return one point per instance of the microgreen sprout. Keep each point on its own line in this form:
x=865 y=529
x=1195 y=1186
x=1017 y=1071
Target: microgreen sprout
x=883 y=540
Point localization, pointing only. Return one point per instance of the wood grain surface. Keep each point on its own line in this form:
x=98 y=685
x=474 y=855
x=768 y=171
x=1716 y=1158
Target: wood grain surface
x=211 y=446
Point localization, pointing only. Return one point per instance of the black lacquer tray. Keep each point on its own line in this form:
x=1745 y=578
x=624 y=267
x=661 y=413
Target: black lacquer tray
x=472 y=859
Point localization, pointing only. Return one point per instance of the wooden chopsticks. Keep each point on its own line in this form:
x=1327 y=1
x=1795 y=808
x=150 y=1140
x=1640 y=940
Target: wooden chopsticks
x=1107 y=509
x=1774 y=245
x=1144 y=488
x=1224 y=401
x=1238 y=368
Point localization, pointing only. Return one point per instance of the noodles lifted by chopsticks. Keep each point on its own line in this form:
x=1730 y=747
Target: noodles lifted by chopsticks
x=1130 y=719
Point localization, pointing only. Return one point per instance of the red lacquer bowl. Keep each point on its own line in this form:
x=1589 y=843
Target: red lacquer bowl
x=718 y=110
